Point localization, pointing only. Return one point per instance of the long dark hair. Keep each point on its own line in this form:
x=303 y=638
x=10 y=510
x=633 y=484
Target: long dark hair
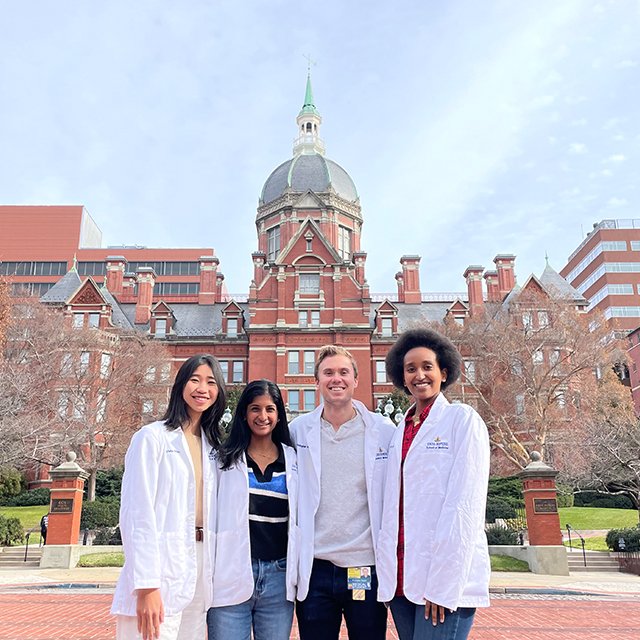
x=177 y=415
x=240 y=435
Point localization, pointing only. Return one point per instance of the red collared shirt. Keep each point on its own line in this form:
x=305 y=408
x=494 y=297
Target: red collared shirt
x=410 y=431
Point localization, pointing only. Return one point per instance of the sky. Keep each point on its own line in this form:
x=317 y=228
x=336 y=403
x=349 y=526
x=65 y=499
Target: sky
x=469 y=128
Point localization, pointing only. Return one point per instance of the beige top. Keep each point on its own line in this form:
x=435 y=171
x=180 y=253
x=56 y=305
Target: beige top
x=195 y=447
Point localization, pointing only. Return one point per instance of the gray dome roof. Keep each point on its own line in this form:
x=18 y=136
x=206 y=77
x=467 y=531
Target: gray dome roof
x=309 y=171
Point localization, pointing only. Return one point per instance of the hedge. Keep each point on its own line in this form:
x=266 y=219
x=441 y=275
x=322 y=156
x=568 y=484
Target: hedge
x=101 y=513
x=11 y=531
x=502 y=536
x=631 y=539
x=499 y=508
x=507 y=488
x=602 y=501
x=33 y=498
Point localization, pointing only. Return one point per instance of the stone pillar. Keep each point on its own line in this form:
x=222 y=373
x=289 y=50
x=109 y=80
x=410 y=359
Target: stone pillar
x=208 y=271
x=259 y=260
x=146 y=277
x=359 y=258
x=493 y=290
x=66 y=502
x=473 y=276
x=400 y=282
x=411 y=279
x=541 y=503
x=505 y=263
x=115 y=274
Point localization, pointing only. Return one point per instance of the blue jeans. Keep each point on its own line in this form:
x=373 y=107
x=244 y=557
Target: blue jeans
x=320 y=614
x=412 y=625
x=268 y=611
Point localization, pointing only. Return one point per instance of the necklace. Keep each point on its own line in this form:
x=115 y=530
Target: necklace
x=263 y=455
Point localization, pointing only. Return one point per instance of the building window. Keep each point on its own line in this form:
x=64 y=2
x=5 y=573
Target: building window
x=238 y=371
x=543 y=319
x=273 y=244
x=303 y=318
x=181 y=269
x=33 y=268
x=381 y=372
x=63 y=405
x=176 y=288
x=161 y=327
x=66 y=365
x=105 y=365
x=84 y=362
x=165 y=373
x=91 y=268
x=294 y=400
x=470 y=370
x=635 y=245
x=94 y=320
x=78 y=320
x=150 y=376
x=309 y=362
x=614 y=246
x=386 y=324
x=147 y=407
x=309 y=399
x=309 y=283
x=101 y=407
x=537 y=357
x=458 y=319
x=527 y=320
x=232 y=327
x=554 y=357
x=520 y=406
x=225 y=370
x=294 y=362
x=315 y=318
x=344 y=243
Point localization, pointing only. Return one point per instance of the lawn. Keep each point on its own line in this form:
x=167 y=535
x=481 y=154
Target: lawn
x=593 y=518
x=29 y=516
x=590 y=544
x=101 y=560
x=507 y=563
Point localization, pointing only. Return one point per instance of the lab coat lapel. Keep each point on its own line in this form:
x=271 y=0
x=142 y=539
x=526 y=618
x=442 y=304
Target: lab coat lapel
x=438 y=405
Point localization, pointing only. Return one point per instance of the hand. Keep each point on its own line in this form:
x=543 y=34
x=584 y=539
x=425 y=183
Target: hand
x=435 y=611
x=150 y=613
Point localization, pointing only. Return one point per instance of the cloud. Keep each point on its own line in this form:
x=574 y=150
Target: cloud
x=616 y=159
x=617 y=202
x=612 y=122
x=578 y=148
x=626 y=64
x=607 y=173
x=540 y=102
x=579 y=123
x=553 y=140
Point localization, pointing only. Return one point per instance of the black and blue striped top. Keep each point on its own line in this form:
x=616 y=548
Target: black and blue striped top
x=268 y=509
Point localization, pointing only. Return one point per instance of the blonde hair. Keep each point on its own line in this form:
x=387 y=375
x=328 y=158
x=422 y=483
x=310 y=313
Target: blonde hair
x=330 y=350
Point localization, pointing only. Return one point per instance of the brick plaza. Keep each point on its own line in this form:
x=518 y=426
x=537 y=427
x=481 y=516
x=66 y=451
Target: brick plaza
x=73 y=615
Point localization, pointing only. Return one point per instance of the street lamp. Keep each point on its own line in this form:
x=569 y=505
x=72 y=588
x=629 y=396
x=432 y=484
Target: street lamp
x=226 y=418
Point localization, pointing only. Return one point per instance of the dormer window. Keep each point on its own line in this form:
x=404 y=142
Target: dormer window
x=344 y=243
x=161 y=327
x=232 y=327
x=273 y=244
x=94 y=320
x=78 y=320
x=386 y=327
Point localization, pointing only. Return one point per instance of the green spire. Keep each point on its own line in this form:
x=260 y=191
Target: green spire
x=308 y=106
x=546 y=258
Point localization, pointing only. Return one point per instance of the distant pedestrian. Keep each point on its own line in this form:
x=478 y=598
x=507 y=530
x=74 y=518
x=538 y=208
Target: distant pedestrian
x=44 y=523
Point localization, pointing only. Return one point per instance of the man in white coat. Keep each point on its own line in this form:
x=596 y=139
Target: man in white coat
x=342 y=457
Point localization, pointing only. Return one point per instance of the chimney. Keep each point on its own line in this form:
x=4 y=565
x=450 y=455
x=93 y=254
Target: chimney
x=411 y=279
x=115 y=274
x=400 y=281
x=208 y=270
x=506 y=278
x=219 y=287
x=259 y=260
x=359 y=258
x=491 y=282
x=146 y=279
x=473 y=276
x=128 y=288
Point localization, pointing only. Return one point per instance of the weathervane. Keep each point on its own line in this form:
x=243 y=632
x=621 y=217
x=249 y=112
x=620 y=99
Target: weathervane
x=309 y=62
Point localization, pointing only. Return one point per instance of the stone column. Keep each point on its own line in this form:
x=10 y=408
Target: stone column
x=65 y=510
x=546 y=553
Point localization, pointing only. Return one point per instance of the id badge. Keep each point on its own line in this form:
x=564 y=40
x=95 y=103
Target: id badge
x=358 y=581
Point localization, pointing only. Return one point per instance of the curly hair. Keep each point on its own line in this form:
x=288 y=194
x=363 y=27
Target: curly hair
x=447 y=355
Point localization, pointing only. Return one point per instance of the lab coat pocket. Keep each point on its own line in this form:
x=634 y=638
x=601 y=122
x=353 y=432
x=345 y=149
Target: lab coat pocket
x=434 y=472
x=172 y=551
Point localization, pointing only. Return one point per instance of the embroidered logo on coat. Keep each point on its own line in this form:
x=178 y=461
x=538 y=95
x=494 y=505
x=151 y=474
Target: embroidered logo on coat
x=172 y=451
x=437 y=445
x=381 y=455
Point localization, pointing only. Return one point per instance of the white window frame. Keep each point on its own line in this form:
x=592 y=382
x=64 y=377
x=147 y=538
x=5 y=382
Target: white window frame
x=238 y=371
x=293 y=397
x=309 y=362
x=273 y=243
x=293 y=363
x=386 y=327
x=381 y=372
x=309 y=282
x=309 y=399
x=161 y=327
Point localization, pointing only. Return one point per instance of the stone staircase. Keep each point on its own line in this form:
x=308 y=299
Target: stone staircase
x=597 y=561
x=13 y=557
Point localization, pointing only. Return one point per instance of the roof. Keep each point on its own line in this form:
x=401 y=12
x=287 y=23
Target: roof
x=63 y=289
x=551 y=278
x=309 y=172
x=409 y=315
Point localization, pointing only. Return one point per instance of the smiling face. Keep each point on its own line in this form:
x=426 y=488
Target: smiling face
x=336 y=380
x=262 y=416
x=200 y=392
x=423 y=376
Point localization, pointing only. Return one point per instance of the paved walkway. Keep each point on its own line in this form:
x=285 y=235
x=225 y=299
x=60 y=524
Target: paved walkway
x=519 y=611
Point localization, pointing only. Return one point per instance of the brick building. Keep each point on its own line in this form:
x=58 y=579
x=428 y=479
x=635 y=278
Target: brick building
x=309 y=286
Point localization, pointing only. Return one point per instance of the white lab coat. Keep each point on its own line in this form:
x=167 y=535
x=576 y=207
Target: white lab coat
x=306 y=434
x=233 y=573
x=157 y=520
x=446 y=472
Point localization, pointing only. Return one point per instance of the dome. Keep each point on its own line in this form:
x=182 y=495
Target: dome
x=309 y=171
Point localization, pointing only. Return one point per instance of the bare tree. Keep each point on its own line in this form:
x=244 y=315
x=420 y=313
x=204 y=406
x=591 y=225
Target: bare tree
x=5 y=310
x=85 y=389
x=527 y=367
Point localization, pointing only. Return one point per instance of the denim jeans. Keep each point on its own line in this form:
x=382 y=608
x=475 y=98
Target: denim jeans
x=268 y=611
x=412 y=625
x=320 y=614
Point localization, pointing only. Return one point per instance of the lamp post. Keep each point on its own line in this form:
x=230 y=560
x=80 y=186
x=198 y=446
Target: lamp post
x=226 y=419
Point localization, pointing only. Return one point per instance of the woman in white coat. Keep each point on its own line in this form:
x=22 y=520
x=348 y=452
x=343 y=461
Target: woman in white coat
x=167 y=513
x=433 y=563
x=254 y=581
